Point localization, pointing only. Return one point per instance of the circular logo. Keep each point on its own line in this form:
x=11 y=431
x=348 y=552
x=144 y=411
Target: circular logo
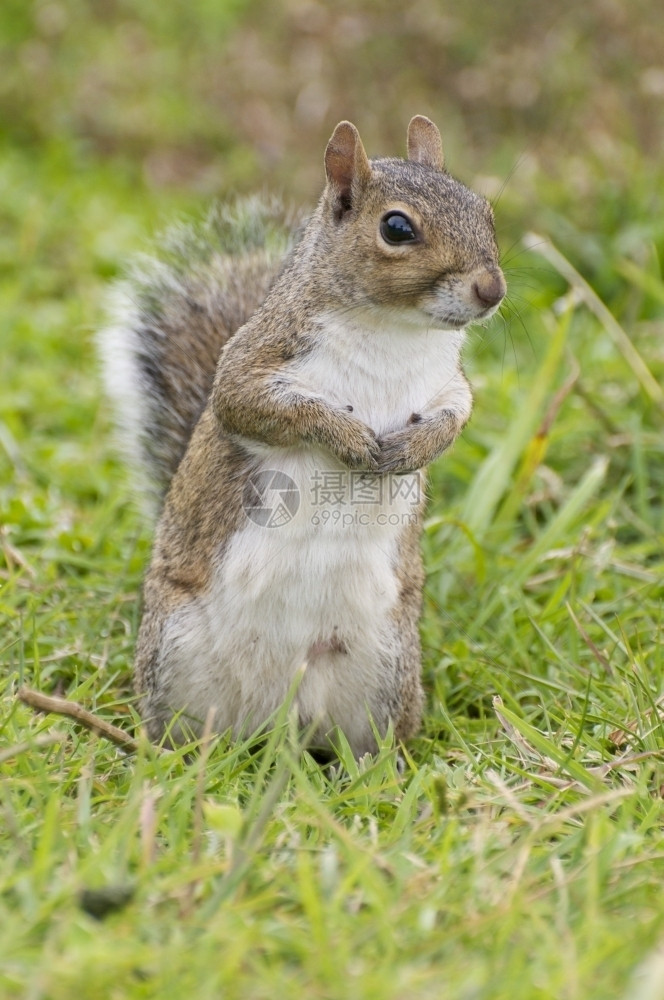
x=270 y=498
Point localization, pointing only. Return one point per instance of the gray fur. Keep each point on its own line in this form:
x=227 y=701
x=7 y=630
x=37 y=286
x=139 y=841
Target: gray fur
x=232 y=354
x=169 y=319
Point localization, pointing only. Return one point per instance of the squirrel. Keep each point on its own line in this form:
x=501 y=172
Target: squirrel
x=285 y=390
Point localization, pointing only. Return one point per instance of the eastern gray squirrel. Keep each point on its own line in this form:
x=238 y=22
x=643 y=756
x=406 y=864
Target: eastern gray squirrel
x=285 y=400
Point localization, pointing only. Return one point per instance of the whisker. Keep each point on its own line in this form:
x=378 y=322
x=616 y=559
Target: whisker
x=510 y=174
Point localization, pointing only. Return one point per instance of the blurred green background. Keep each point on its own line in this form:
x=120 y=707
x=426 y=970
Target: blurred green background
x=217 y=95
x=137 y=108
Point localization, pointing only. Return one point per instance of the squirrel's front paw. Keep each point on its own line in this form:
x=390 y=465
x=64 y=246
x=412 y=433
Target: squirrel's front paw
x=357 y=445
x=419 y=443
x=397 y=453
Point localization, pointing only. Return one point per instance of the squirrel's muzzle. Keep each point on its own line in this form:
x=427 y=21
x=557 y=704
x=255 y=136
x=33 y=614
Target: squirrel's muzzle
x=489 y=288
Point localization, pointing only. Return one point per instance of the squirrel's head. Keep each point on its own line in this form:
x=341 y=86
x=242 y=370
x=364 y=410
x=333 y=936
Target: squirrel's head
x=403 y=233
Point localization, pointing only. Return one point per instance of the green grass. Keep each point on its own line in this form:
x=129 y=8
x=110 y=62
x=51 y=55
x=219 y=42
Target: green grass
x=520 y=856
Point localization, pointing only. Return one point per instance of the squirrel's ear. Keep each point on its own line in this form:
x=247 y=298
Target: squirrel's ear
x=424 y=143
x=346 y=166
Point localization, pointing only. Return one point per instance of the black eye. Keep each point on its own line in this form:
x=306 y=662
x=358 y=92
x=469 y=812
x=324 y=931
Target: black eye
x=395 y=227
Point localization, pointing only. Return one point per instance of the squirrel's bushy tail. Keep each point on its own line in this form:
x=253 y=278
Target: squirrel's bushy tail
x=170 y=318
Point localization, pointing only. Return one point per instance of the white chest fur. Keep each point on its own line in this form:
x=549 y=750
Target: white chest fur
x=385 y=363
x=319 y=586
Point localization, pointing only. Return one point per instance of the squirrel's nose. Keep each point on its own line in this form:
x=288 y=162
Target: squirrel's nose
x=489 y=288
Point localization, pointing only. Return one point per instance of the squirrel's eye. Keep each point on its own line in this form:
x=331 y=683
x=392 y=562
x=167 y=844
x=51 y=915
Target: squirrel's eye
x=395 y=227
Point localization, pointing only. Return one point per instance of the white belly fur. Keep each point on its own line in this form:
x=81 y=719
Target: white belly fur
x=281 y=592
